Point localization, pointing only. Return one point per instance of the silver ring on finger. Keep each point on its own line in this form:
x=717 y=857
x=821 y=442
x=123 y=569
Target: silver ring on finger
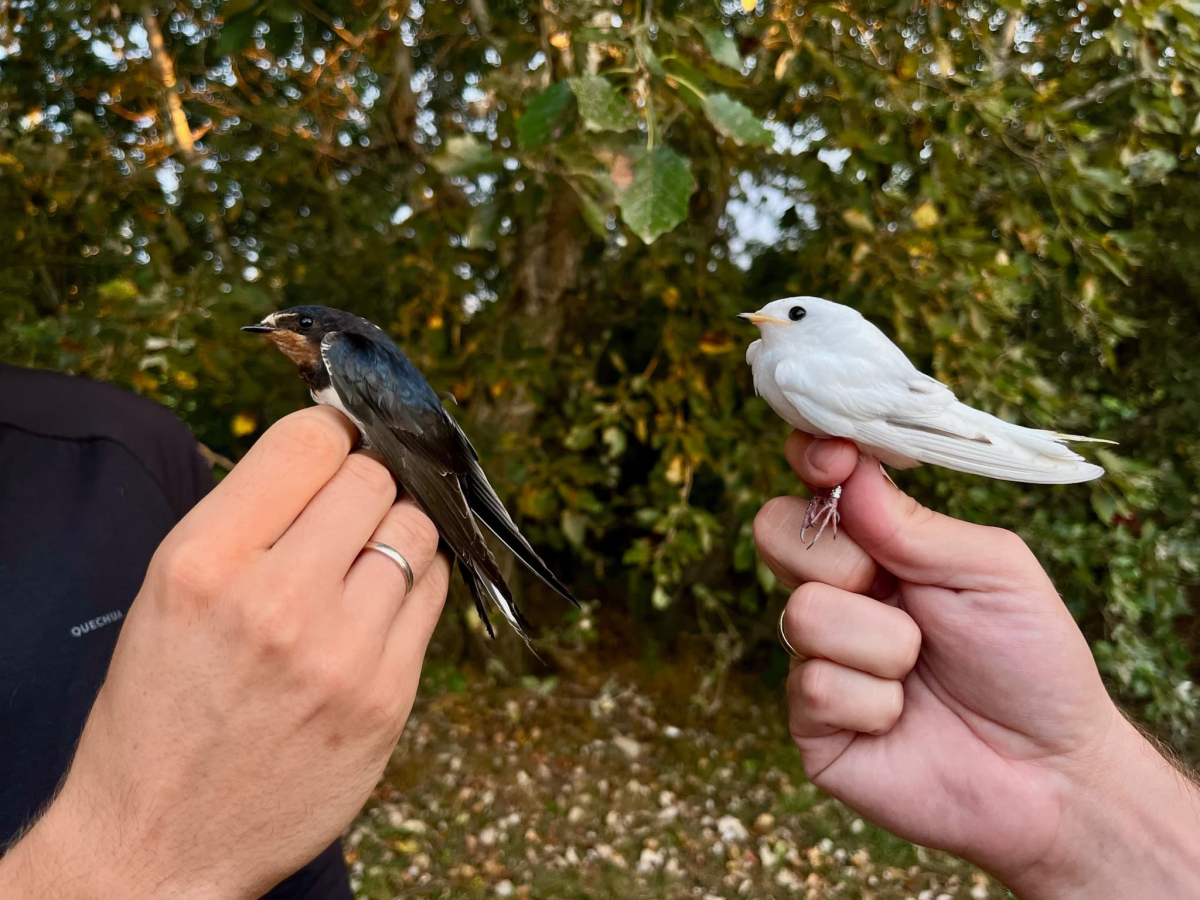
x=783 y=639
x=395 y=556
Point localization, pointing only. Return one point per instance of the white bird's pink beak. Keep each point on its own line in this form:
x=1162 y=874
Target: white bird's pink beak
x=757 y=319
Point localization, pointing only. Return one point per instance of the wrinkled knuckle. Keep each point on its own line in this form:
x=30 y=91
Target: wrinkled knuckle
x=892 y=708
x=310 y=437
x=189 y=571
x=766 y=521
x=860 y=573
x=910 y=646
x=271 y=624
x=804 y=607
x=427 y=532
x=815 y=688
x=424 y=536
x=796 y=730
x=379 y=709
x=1009 y=543
x=920 y=516
x=332 y=673
x=369 y=473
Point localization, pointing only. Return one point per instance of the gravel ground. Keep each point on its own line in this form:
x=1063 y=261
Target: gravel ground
x=619 y=788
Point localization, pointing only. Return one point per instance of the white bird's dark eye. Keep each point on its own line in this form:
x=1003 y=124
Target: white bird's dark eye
x=305 y=322
x=796 y=313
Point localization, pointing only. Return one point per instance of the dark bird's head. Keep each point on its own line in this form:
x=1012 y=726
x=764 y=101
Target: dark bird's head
x=298 y=332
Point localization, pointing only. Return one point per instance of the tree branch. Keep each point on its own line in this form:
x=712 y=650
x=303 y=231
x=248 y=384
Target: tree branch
x=164 y=66
x=1098 y=92
x=1006 y=40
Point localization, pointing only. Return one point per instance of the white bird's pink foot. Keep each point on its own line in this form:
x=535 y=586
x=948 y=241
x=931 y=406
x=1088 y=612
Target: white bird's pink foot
x=822 y=512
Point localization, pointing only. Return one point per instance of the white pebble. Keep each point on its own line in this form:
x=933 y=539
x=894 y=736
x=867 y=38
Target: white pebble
x=732 y=830
x=787 y=879
x=628 y=746
x=650 y=861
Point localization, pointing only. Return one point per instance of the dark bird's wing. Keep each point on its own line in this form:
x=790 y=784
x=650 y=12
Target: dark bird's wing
x=491 y=512
x=404 y=420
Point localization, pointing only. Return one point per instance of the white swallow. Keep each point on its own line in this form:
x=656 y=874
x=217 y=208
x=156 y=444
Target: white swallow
x=826 y=370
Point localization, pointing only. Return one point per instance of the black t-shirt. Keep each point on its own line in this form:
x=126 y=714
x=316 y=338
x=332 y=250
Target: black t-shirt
x=91 y=480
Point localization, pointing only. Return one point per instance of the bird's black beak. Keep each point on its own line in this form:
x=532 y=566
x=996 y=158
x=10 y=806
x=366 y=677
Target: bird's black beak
x=258 y=329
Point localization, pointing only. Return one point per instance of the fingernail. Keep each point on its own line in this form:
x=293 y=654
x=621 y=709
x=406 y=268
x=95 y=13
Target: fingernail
x=887 y=476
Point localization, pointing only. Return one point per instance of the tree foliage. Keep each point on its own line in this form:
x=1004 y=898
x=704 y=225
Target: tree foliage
x=557 y=209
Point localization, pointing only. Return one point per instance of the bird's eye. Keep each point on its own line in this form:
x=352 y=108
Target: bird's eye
x=305 y=322
x=796 y=313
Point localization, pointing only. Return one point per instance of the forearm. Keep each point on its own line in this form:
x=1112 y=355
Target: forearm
x=1133 y=832
x=64 y=855
x=38 y=865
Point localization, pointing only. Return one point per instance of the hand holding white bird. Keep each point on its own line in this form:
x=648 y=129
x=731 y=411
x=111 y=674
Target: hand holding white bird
x=826 y=370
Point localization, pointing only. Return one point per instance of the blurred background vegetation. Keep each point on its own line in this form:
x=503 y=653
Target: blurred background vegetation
x=558 y=206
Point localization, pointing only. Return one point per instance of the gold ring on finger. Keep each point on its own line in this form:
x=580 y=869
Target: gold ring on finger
x=787 y=645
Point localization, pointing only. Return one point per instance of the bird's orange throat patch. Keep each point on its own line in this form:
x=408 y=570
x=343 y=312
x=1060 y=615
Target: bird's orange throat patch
x=296 y=347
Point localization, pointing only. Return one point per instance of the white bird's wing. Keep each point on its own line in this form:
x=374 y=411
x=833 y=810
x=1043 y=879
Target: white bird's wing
x=874 y=396
x=871 y=381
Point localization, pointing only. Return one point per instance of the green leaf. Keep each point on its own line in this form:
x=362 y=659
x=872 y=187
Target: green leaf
x=1151 y=166
x=660 y=598
x=593 y=214
x=119 y=290
x=858 y=220
x=482 y=228
x=735 y=120
x=926 y=216
x=465 y=155
x=657 y=199
x=234 y=7
x=614 y=438
x=766 y=578
x=645 y=53
x=574 y=527
x=236 y=33
x=579 y=438
x=602 y=105
x=282 y=29
x=638 y=552
x=545 y=117
x=723 y=48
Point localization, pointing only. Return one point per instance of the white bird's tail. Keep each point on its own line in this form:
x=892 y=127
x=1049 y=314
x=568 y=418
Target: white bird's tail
x=972 y=441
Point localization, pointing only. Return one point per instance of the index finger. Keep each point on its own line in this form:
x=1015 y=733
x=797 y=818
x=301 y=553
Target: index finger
x=258 y=501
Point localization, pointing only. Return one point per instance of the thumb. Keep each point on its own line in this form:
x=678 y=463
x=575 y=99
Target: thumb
x=916 y=544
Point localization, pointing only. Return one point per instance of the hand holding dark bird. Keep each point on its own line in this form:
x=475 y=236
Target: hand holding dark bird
x=352 y=365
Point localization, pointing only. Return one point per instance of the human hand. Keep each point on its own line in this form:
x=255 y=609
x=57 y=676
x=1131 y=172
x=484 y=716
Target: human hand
x=948 y=695
x=259 y=685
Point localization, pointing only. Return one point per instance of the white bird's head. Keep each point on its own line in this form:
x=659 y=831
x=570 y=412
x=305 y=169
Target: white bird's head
x=800 y=320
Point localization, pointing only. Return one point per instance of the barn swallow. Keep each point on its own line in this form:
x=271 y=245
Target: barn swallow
x=352 y=365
